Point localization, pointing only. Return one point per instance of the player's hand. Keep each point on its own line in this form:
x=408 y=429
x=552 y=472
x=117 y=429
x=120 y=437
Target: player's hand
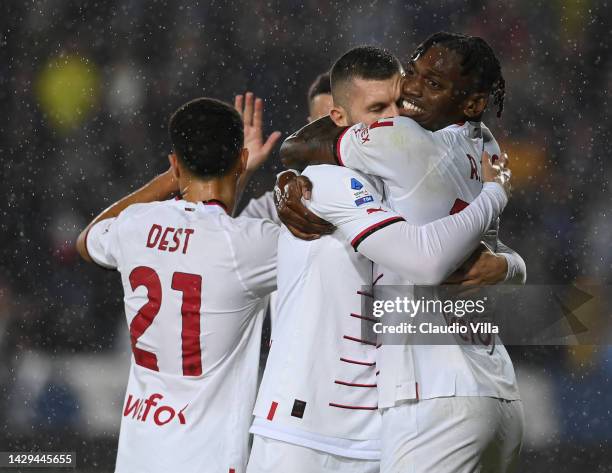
x=497 y=172
x=301 y=222
x=250 y=109
x=482 y=268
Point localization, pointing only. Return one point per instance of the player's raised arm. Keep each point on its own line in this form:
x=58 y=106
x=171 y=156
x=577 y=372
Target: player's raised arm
x=313 y=144
x=251 y=110
x=159 y=188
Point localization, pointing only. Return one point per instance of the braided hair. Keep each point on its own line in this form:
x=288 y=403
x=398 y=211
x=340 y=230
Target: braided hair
x=477 y=59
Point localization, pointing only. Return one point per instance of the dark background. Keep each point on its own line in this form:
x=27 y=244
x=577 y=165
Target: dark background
x=86 y=90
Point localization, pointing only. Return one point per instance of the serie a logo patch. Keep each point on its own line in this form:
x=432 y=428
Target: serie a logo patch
x=359 y=193
x=298 y=408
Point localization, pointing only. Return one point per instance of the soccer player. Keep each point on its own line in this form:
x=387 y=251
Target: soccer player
x=317 y=405
x=321 y=410
x=320 y=100
x=446 y=408
x=194 y=280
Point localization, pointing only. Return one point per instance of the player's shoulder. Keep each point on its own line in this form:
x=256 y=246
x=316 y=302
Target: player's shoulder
x=328 y=173
x=331 y=183
x=399 y=125
x=329 y=177
x=136 y=211
x=242 y=224
x=248 y=235
x=403 y=122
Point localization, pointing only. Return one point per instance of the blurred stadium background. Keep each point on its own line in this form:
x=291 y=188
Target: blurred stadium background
x=87 y=87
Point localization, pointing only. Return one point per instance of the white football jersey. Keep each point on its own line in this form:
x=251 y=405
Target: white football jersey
x=195 y=282
x=319 y=385
x=427 y=176
x=262 y=207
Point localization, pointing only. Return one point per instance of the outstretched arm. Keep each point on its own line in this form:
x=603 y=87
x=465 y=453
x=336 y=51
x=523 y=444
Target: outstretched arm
x=313 y=144
x=423 y=254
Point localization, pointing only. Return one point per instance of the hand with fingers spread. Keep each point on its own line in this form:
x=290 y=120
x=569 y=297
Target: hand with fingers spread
x=251 y=109
x=301 y=222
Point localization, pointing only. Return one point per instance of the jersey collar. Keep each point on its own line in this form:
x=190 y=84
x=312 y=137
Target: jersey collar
x=212 y=202
x=217 y=203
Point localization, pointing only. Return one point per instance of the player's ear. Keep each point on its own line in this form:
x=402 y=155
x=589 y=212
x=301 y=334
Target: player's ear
x=176 y=172
x=475 y=105
x=339 y=115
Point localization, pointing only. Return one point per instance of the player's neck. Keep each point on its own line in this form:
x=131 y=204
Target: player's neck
x=222 y=189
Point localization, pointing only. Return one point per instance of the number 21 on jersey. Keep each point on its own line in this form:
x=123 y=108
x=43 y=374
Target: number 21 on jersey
x=191 y=287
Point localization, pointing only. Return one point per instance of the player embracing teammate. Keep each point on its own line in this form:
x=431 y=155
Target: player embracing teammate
x=445 y=408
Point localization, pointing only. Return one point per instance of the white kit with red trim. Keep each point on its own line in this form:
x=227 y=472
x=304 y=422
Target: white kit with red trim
x=429 y=175
x=319 y=385
x=195 y=282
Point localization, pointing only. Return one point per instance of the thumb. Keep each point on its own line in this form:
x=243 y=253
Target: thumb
x=271 y=141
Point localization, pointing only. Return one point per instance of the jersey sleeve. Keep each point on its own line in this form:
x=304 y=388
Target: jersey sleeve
x=350 y=201
x=428 y=254
x=255 y=250
x=386 y=148
x=102 y=243
x=262 y=207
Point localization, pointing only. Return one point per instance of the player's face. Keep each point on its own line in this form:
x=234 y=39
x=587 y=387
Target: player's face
x=433 y=89
x=320 y=105
x=372 y=100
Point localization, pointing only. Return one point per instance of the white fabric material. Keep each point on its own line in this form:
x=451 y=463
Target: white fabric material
x=262 y=207
x=431 y=252
x=517 y=270
x=209 y=290
x=273 y=456
x=452 y=435
x=317 y=356
x=428 y=175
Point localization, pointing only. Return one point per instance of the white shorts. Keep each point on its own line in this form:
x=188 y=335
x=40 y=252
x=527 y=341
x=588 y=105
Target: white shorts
x=271 y=456
x=452 y=435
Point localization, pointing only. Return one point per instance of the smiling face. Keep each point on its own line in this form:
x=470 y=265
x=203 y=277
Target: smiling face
x=435 y=92
x=367 y=100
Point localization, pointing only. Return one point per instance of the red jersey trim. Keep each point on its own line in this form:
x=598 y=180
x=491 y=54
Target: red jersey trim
x=362 y=317
x=358 y=340
x=272 y=410
x=354 y=385
x=380 y=123
x=343 y=406
x=338 y=157
x=355 y=362
x=215 y=202
x=372 y=229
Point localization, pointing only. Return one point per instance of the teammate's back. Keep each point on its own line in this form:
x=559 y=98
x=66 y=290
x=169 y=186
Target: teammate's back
x=195 y=282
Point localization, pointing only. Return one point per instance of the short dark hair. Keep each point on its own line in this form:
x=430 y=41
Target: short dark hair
x=207 y=136
x=320 y=86
x=477 y=60
x=364 y=62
